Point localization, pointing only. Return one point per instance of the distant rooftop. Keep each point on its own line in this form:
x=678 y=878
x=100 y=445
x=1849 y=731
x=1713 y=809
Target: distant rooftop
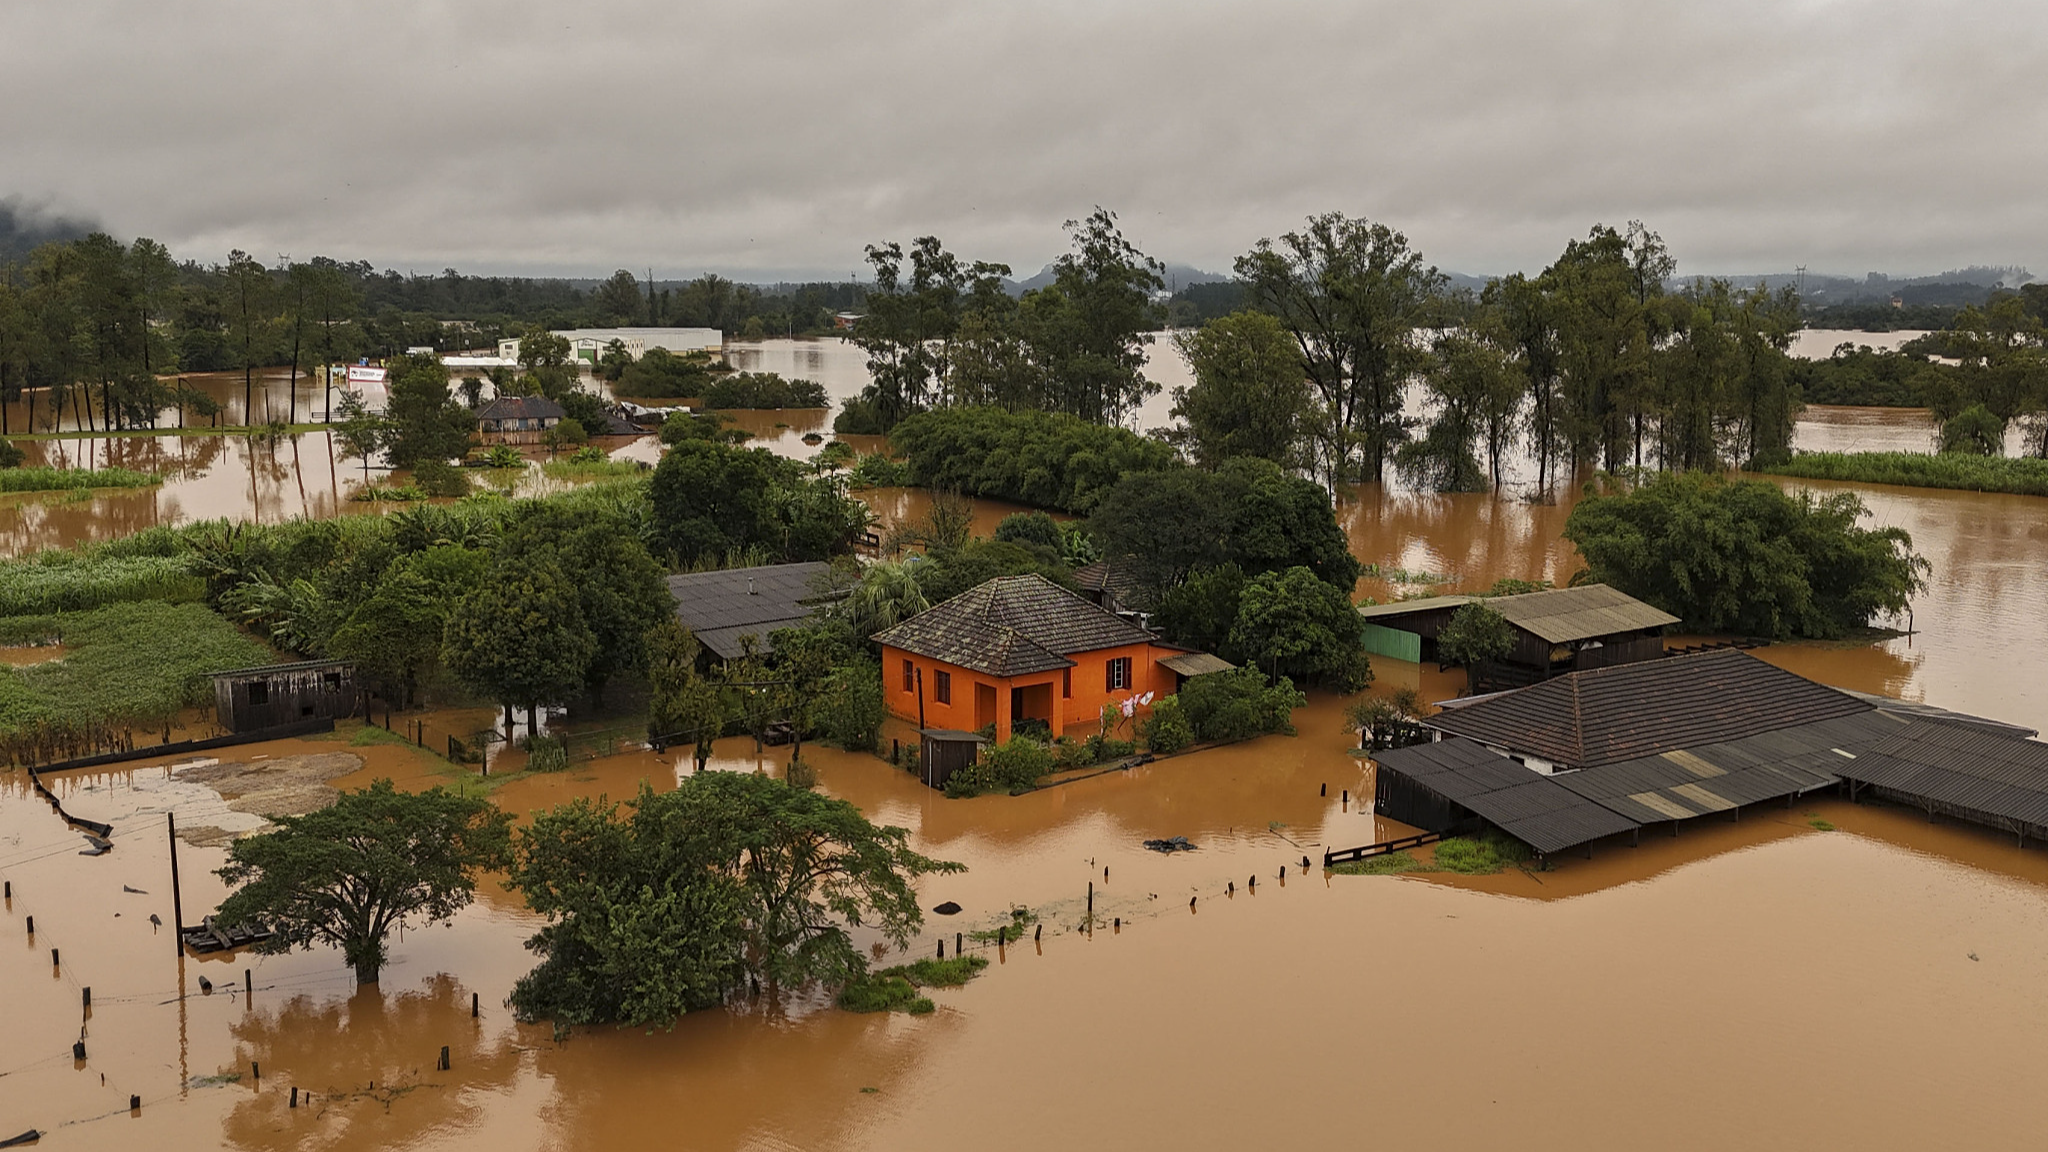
x=725 y=606
x=1558 y=615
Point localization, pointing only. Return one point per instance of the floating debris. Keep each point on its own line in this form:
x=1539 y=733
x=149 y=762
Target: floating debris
x=1175 y=844
x=947 y=909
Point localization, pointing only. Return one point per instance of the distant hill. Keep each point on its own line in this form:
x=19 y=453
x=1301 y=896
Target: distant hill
x=22 y=228
x=1177 y=277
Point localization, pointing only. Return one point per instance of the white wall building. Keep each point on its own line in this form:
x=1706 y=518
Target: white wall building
x=587 y=344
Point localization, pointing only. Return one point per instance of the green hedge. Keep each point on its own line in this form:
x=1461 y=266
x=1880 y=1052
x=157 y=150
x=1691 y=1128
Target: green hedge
x=2020 y=476
x=42 y=478
x=1044 y=459
x=60 y=581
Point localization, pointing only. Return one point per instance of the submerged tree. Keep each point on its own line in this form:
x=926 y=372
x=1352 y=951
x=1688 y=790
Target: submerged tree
x=347 y=874
x=1251 y=395
x=672 y=904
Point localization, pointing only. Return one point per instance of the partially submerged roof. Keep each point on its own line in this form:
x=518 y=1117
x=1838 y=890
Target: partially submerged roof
x=1118 y=577
x=1195 y=663
x=521 y=408
x=1705 y=778
x=1629 y=711
x=724 y=606
x=1557 y=615
x=1979 y=769
x=1012 y=626
x=1527 y=805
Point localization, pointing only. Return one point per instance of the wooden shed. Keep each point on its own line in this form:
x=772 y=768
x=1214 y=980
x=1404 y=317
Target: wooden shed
x=274 y=695
x=1557 y=630
x=944 y=751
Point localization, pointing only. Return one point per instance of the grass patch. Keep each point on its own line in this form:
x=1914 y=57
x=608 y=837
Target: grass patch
x=592 y=469
x=1391 y=864
x=402 y=494
x=2020 y=476
x=1480 y=855
x=896 y=989
x=1820 y=825
x=1013 y=931
x=42 y=478
x=370 y=734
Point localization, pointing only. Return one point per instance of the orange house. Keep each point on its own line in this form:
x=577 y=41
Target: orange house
x=1022 y=647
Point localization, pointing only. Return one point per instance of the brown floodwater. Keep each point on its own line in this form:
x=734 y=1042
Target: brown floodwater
x=1802 y=977
x=1807 y=972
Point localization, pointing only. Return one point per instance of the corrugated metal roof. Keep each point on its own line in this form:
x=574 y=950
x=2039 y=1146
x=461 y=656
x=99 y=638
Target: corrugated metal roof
x=1529 y=806
x=1705 y=778
x=723 y=606
x=1562 y=615
x=1196 y=663
x=1975 y=768
x=1556 y=615
x=1608 y=715
x=1419 y=604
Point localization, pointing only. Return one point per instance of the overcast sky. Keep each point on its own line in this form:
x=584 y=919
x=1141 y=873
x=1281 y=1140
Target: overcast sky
x=763 y=139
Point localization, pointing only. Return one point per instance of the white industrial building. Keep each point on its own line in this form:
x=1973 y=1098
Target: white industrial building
x=587 y=344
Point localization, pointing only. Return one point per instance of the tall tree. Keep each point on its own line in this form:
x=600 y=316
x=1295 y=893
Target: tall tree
x=1089 y=328
x=913 y=316
x=1251 y=395
x=425 y=420
x=520 y=638
x=1475 y=389
x=1352 y=292
x=345 y=875
x=248 y=291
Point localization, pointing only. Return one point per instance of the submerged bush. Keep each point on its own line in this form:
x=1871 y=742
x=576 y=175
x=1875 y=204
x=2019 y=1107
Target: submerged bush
x=2019 y=475
x=46 y=479
x=1013 y=766
x=1167 y=730
x=1238 y=704
x=61 y=581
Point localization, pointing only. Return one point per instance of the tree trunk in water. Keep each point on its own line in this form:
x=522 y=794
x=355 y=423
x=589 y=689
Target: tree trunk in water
x=366 y=973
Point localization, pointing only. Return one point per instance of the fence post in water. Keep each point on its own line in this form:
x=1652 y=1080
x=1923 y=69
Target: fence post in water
x=10 y=889
x=255 y=1072
x=942 y=947
x=444 y=1058
x=53 y=958
x=31 y=928
x=958 y=939
x=78 y=1049
x=1038 y=934
x=295 y=1098
x=1325 y=791
x=1091 y=897
x=135 y=1103
x=85 y=997
x=177 y=898
x=248 y=982
x=472 y=1005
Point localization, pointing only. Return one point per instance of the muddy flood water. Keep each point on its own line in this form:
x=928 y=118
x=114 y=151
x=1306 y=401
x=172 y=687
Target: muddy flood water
x=1753 y=983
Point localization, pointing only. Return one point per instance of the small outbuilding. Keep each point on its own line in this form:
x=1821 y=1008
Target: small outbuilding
x=944 y=751
x=277 y=695
x=1557 y=630
x=725 y=607
x=517 y=419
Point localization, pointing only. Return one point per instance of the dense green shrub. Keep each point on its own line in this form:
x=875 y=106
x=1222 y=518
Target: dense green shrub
x=1856 y=374
x=1974 y=431
x=1476 y=633
x=1745 y=557
x=2021 y=476
x=1238 y=704
x=1043 y=459
x=1013 y=766
x=858 y=417
x=764 y=390
x=876 y=470
x=1166 y=729
x=440 y=478
x=665 y=375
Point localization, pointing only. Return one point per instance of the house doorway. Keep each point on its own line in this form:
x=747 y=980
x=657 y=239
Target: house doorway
x=1031 y=702
x=984 y=705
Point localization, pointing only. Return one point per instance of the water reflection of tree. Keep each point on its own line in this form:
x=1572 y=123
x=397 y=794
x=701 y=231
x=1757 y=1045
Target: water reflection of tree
x=336 y=1048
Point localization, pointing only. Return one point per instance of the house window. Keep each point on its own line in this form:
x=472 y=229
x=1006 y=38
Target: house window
x=1067 y=683
x=1117 y=674
x=942 y=687
x=909 y=677
x=259 y=692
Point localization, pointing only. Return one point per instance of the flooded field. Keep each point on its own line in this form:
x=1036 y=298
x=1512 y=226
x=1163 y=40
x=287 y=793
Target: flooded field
x=1554 y=1010
x=1871 y=986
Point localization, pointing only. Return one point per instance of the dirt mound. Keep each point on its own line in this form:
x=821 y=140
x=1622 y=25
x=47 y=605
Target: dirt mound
x=283 y=786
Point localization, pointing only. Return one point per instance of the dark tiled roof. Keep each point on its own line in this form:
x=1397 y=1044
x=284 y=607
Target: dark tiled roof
x=1012 y=626
x=1630 y=711
x=521 y=408
x=1117 y=577
x=1970 y=767
x=721 y=607
x=1527 y=805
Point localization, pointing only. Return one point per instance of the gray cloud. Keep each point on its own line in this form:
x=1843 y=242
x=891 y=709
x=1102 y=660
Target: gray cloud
x=776 y=138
